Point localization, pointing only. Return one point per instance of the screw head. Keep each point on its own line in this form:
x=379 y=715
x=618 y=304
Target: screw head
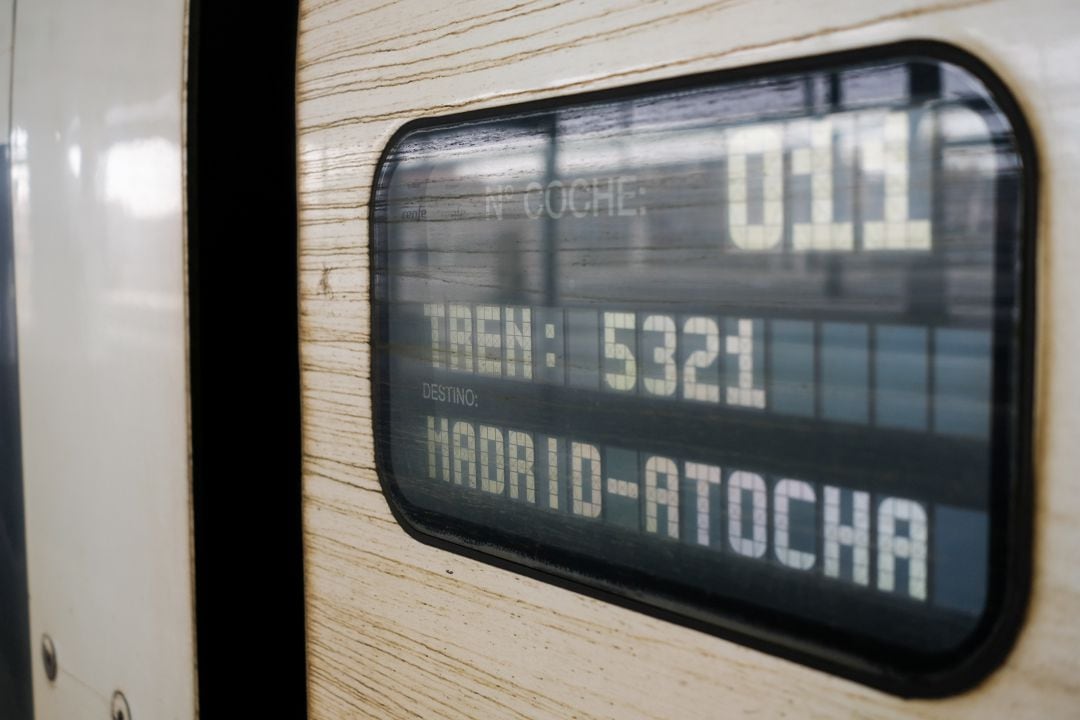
x=48 y=657
x=120 y=709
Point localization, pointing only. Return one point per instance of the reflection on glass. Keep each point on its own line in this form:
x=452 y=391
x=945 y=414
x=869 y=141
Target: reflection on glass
x=742 y=342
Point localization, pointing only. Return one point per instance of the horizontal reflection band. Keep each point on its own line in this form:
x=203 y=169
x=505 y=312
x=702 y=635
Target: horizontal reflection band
x=848 y=181
x=906 y=377
x=869 y=540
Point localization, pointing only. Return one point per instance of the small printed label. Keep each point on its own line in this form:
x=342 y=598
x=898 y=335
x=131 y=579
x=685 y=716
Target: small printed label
x=453 y=394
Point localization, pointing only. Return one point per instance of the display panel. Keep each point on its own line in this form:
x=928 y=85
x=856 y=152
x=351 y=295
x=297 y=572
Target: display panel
x=748 y=350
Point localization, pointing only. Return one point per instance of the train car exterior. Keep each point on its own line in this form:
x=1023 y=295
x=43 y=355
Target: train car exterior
x=455 y=638
x=502 y=428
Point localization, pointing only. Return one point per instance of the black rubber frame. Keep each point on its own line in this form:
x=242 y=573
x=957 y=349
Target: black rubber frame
x=1013 y=491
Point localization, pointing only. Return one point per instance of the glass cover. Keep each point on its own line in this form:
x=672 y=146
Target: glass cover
x=744 y=350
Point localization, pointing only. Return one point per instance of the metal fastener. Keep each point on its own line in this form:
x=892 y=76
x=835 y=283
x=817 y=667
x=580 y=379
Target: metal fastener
x=48 y=657
x=120 y=709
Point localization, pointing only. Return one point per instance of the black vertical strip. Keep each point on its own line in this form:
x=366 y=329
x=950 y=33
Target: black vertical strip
x=551 y=224
x=767 y=364
x=244 y=367
x=565 y=329
x=835 y=93
x=16 y=697
x=819 y=370
x=931 y=381
x=871 y=373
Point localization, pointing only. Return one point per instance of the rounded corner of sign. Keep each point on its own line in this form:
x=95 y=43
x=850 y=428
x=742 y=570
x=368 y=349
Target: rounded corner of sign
x=974 y=660
x=399 y=507
x=979 y=67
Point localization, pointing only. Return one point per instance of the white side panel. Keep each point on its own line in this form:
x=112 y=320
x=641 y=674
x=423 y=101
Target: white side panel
x=99 y=234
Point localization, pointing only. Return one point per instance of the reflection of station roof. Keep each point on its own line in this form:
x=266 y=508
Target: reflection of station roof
x=490 y=156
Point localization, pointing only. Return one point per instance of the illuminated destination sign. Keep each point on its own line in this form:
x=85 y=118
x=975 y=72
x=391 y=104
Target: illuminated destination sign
x=749 y=352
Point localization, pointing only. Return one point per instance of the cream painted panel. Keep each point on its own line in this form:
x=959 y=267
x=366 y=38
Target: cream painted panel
x=391 y=632
x=99 y=236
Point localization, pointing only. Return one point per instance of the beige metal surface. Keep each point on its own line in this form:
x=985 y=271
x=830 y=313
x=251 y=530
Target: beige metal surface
x=99 y=242
x=391 y=632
